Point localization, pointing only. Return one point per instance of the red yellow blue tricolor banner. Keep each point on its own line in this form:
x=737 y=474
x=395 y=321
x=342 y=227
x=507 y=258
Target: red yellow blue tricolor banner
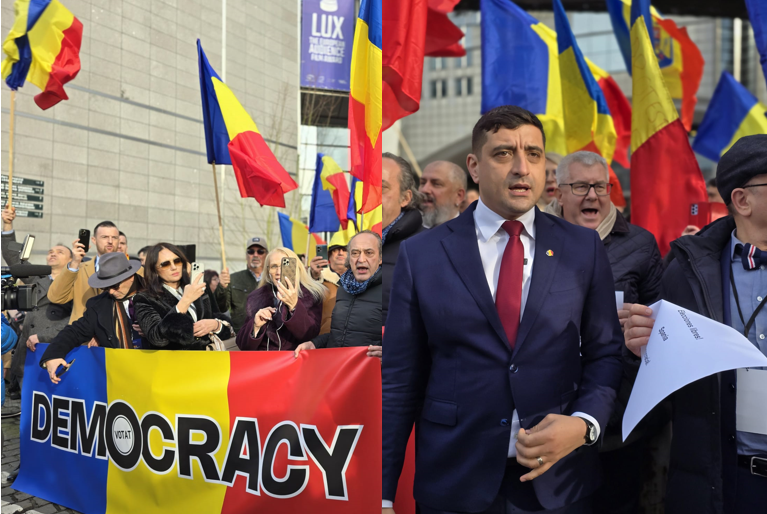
x=366 y=103
x=130 y=431
x=42 y=47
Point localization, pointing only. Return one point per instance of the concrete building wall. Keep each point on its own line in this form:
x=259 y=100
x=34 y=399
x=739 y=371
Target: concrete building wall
x=128 y=146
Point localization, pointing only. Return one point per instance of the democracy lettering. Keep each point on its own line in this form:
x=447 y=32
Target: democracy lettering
x=115 y=432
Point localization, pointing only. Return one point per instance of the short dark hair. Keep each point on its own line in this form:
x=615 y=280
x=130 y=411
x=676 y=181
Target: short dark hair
x=145 y=249
x=505 y=116
x=123 y=234
x=65 y=246
x=105 y=224
x=408 y=180
x=711 y=183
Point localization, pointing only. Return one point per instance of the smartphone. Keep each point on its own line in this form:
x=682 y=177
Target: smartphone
x=85 y=238
x=197 y=268
x=64 y=369
x=322 y=251
x=288 y=270
x=26 y=248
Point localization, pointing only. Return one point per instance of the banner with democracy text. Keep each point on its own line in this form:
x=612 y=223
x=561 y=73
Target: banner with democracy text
x=129 y=431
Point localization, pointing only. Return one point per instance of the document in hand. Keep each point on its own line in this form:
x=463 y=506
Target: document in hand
x=684 y=347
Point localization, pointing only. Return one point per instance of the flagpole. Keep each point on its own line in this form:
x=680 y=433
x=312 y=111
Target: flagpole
x=218 y=210
x=10 y=149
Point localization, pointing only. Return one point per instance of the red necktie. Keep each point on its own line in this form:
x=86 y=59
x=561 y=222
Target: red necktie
x=508 y=294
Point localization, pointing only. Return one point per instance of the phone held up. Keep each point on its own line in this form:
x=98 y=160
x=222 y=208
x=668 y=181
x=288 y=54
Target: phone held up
x=197 y=268
x=85 y=237
x=288 y=270
x=322 y=251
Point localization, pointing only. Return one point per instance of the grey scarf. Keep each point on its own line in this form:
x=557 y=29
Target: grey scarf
x=603 y=229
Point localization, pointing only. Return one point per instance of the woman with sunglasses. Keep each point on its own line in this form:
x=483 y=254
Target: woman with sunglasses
x=282 y=315
x=173 y=313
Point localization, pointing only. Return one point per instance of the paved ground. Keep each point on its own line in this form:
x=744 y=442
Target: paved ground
x=14 y=501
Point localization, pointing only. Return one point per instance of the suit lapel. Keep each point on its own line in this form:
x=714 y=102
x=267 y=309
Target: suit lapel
x=463 y=251
x=544 y=266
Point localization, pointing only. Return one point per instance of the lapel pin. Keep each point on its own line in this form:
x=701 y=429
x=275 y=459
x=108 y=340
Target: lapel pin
x=550 y=253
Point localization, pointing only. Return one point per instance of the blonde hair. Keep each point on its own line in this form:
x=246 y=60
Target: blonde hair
x=317 y=290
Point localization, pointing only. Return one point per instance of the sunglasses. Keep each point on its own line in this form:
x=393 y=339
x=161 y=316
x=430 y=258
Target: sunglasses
x=260 y=251
x=165 y=264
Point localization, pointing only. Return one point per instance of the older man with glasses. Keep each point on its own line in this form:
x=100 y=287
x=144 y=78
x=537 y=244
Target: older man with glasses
x=583 y=198
x=232 y=292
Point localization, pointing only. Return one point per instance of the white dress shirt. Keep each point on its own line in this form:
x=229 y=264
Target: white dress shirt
x=492 y=240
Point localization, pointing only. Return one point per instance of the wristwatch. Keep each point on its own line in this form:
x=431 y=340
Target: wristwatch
x=591 y=432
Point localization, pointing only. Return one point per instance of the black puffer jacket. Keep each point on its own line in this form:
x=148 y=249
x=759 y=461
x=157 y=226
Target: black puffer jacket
x=635 y=261
x=167 y=329
x=409 y=225
x=356 y=319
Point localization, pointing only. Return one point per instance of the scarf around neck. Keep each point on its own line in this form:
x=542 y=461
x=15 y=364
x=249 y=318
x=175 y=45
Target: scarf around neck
x=350 y=284
x=390 y=225
x=603 y=229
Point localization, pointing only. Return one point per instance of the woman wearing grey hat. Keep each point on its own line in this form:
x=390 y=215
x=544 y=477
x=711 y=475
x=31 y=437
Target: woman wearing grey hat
x=173 y=313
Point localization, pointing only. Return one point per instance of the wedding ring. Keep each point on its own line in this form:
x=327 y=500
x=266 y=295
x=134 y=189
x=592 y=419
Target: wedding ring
x=540 y=461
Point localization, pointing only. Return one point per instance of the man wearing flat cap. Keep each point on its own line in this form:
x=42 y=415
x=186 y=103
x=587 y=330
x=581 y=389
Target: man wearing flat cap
x=108 y=317
x=721 y=273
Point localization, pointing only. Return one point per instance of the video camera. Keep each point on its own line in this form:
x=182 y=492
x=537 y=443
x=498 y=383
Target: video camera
x=21 y=298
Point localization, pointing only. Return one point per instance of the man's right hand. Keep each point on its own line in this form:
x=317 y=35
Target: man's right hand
x=52 y=365
x=316 y=265
x=8 y=216
x=32 y=341
x=78 y=252
x=690 y=230
x=303 y=346
x=638 y=328
x=224 y=278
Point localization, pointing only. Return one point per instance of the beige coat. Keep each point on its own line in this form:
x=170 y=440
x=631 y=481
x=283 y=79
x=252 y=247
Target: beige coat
x=73 y=285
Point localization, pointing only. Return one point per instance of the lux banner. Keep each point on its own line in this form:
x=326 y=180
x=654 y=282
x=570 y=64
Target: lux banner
x=129 y=431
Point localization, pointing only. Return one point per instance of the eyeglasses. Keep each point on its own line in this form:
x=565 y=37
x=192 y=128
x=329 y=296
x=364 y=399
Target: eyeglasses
x=582 y=188
x=165 y=264
x=754 y=185
x=260 y=251
x=115 y=286
x=274 y=267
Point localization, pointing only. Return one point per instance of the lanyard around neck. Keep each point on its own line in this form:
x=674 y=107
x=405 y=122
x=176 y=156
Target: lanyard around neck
x=747 y=326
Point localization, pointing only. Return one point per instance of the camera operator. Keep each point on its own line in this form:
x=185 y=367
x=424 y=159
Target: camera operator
x=47 y=319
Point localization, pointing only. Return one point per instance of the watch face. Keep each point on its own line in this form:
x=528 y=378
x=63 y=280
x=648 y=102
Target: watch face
x=592 y=432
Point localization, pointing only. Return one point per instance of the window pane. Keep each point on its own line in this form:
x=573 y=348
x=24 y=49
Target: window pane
x=468 y=86
x=433 y=88
x=444 y=88
x=458 y=91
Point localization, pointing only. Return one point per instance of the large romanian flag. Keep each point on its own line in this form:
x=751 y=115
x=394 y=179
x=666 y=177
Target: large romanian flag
x=733 y=112
x=680 y=60
x=665 y=176
x=42 y=47
x=365 y=103
x=231 y=137
x=295 y=236
x=329 y=184
x=163 y=432
x=588 y=123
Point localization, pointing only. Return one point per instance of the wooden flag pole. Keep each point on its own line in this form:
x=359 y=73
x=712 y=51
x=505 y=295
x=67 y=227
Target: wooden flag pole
x=220 y=224
x=10 y=149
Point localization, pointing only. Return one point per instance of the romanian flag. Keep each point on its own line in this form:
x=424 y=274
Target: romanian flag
x=365 y=103
x=733 y=112
x=680 y=60
x=620 y=110
x=757 y=16
x=231 y=137
x=43 y=47
x=512 y=40
x=373 y=220
x=588 y=123
x=342 y=237
x=294 y=236
x=329 y=184
x=665 y=177
x=163 y=432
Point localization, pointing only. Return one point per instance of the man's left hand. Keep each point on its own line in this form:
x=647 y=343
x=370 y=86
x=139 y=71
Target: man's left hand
x=375 y=351
x=551 y=439
x=32 y=342
x=624 y=313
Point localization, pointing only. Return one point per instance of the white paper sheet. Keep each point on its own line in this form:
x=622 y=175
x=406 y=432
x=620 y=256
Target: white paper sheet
x=750 y=411
x=684 y=347
x=619 y=299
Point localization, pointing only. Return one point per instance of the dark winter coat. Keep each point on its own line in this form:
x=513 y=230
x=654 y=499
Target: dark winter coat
x=96 y=322
x=234 y=297
x=356 y=319
x=410 y=224
x=166 y=329
x=285 y=330
x=703 y=466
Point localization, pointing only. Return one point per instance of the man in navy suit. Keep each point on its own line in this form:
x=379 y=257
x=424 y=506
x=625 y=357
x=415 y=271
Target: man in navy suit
x=502 y=344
